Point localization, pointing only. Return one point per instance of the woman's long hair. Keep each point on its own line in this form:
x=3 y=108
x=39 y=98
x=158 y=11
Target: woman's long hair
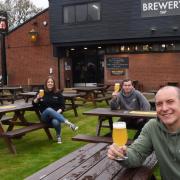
x=45 y=85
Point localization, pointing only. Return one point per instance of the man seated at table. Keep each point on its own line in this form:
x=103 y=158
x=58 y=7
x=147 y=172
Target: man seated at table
x=130 y=99
x=161 y=135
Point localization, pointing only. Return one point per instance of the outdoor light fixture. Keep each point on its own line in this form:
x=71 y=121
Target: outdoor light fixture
x=175 y=28
x=153 y=29
x=33 y=35
x=45 y=23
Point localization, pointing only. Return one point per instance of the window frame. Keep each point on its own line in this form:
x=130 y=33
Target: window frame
x=75 y=15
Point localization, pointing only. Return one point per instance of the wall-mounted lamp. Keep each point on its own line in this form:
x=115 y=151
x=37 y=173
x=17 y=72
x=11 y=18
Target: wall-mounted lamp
x=33 y=35
x=174 y=28
x=153 y=29
x=45 y=23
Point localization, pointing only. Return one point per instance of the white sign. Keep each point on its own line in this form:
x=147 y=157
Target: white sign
x=153 y=8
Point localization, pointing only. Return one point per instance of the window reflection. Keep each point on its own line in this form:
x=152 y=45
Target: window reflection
x=69 y=14
x=94 y=11
x=81 y=13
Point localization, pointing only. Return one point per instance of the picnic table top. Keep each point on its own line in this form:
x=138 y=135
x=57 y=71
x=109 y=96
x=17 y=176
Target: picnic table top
x=11 y=88
x=88 y=88
x=33 y=93
x=119 y=113
x=88 y=162
x=15 y=107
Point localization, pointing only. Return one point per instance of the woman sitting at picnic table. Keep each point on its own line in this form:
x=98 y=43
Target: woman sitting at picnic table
x=51 y=105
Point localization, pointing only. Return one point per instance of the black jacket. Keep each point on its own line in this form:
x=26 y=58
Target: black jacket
x=51 y=99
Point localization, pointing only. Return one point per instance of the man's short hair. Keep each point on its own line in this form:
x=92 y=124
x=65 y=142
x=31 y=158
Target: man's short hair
x=126 y=80
x=175 y=87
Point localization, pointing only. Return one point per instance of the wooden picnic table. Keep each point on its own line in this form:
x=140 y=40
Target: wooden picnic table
x=18 y=119
x=91 y=162
x=13 y=92
x=91 y=94
x=107 y=114
x=67 y=96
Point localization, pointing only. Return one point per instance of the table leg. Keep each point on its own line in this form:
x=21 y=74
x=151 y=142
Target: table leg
x=10 y=145
x=46 y=129
x=100 y=125
x=7 y=140
x=74 y=107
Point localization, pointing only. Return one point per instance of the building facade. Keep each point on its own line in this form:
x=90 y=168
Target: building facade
x=29 y=60
x=85 y=42
x=117 y=39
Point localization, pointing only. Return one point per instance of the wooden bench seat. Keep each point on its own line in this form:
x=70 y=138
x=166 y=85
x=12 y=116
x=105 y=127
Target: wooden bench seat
x=18 y=133
x=24 y=130
x=68 y=106
x=6 y=98
x=95 y=139
x=5 y=119
x=99 y=99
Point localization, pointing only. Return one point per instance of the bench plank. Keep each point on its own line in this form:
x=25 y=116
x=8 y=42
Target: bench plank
x=91 y=162
x=79 y=153
x=95 y=139
x=24 y=130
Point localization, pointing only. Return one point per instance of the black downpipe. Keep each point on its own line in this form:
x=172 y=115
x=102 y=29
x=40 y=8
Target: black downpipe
x=3 y=60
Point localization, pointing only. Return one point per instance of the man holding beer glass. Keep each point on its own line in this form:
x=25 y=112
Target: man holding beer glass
x=161 y=135
x=130 y=99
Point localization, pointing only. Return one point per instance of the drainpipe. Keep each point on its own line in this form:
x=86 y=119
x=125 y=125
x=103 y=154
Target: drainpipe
x=3 y=60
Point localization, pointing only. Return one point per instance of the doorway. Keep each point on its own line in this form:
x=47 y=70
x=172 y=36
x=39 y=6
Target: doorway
x=87 y=68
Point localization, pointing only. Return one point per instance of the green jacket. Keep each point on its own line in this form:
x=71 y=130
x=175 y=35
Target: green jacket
x=155 y=136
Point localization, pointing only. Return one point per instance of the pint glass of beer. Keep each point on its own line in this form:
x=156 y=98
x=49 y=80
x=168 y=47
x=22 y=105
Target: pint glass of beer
x=117 y=87
x=120 y=135
x=41 y=92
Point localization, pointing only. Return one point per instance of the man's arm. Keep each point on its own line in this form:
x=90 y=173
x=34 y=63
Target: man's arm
x=138 y=151
x=115 y=103
x=144 y=103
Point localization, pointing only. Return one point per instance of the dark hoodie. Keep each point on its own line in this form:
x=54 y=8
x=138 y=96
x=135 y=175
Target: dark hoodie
x=55 y=100
x=155 y=136
x=133 y=101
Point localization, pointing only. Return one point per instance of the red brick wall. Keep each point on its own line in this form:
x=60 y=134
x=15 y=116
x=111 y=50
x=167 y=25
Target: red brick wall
x=28 y=60
x=151 y=70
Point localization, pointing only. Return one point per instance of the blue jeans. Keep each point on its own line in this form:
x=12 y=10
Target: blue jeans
x=53 y=118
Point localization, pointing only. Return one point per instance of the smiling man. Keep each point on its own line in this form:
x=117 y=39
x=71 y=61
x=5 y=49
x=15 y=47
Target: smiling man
x=161 y=135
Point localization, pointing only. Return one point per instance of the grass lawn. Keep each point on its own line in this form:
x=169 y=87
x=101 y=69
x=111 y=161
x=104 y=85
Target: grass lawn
x=34 y=151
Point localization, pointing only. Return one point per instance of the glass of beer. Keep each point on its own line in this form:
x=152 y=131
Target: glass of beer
x=117 y=87
x=41 y=93
x=120 y=135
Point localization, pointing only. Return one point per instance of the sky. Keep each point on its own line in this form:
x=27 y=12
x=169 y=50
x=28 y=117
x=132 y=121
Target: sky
x=41 y=3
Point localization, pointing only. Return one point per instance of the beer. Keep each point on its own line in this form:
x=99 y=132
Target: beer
x=117 y=87
x=120 y=135
x=41 y=92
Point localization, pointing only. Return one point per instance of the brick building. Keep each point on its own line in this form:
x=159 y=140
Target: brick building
x=30 y=62
x=92 y=51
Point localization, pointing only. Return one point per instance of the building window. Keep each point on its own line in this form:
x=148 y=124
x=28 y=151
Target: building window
x=69 y=14
x=94 y=12
x=82 y=13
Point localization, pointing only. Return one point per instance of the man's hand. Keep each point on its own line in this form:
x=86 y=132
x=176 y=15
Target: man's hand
x=115 y=151
x=114 y=95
